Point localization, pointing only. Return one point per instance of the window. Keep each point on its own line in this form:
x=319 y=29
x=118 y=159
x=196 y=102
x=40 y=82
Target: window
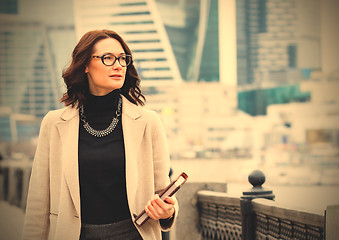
x=292 y=56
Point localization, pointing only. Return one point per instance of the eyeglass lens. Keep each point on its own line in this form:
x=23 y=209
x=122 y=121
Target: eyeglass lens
x=109 y=60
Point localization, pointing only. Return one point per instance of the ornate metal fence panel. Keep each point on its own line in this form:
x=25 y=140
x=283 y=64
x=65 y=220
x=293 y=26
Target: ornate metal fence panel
x=274 y=223
x=220 y=216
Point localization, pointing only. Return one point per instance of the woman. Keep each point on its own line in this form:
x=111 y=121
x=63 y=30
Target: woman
x=101 y=160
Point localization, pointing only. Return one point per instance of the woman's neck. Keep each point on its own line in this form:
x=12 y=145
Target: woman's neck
x=106 y=102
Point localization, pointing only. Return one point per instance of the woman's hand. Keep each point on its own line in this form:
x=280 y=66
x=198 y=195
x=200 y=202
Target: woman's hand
x=157 y=209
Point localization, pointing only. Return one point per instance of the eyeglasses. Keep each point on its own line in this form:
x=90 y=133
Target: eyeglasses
x=109 y=59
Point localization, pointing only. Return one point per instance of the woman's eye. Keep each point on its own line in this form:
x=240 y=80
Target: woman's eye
x=108 y=57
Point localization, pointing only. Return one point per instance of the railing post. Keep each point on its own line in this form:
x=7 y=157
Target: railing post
x=332 y=222
x=257 y=179
x=247 y=219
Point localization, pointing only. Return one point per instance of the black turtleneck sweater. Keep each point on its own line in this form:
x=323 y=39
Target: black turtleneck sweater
x=102 y=164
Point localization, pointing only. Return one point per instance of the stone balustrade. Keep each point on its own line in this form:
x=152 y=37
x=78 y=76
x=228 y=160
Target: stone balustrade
x=255 y=216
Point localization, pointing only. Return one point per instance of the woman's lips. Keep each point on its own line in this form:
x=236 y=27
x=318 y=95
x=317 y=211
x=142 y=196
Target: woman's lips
x=116 y=76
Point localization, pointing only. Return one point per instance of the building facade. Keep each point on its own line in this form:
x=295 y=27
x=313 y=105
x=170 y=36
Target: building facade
x=193 y=30
x=34 y=51
x=278 y=47
x=140 y=24
x=36 y=38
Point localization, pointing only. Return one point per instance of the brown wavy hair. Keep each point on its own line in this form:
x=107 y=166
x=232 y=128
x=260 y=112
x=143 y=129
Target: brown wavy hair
x=76 y=79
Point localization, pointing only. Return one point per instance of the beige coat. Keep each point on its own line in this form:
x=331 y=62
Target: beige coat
x=53 y=204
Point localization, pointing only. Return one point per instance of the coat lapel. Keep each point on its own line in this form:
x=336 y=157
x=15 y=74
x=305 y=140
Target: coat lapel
x=133 y=130
x=68 y=129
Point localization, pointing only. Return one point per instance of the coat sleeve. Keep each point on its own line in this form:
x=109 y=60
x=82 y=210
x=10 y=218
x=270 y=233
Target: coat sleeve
x=36 y=224
x=161 y=162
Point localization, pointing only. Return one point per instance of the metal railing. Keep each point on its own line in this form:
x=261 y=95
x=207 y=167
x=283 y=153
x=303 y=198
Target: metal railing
x=254 y=216
x=220 y=215
x=14 y=181
x=274 y=222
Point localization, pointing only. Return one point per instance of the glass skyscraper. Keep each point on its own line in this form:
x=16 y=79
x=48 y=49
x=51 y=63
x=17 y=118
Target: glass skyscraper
x=27 y=78
x=33 y=54
x=193 y=30
x=36 y=39
x=170 y=40
x=8 y=6
x=140 y=24
x=278 y=45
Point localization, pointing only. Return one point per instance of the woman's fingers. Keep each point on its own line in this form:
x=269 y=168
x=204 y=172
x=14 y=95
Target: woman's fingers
x=170 y=200
x=150 y=211
x=159 y=209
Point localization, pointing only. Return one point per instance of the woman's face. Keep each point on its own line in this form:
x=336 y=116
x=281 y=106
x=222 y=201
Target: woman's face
x=103 y=79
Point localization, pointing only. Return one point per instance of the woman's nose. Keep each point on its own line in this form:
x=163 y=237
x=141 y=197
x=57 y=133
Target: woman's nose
x=116 y=65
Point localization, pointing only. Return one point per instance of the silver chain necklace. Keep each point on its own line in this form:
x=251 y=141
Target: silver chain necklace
x=106 y=131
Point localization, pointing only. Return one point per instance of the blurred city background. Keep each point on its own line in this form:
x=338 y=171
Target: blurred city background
x=239 y=84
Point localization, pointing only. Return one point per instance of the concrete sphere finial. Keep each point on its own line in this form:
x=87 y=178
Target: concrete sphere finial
x=257 y=178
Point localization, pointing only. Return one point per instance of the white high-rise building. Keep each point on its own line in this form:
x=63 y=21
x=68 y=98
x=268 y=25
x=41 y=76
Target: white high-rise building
x=139 y=23
x=28 y=81
x=35 y=46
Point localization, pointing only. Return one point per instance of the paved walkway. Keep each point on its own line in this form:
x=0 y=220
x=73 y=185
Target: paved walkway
x=11 y=221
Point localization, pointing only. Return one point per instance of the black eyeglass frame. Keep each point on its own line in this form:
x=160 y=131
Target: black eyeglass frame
x=115 y=59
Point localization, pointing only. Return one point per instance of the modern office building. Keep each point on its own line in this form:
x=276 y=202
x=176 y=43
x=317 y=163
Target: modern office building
x=278 y=46
x=193 y=30
x=199 y=116
x=17 y=127
x=277 y=39
x=27 y=77
x=35 y=47
x=140 y=24
x=9 y=7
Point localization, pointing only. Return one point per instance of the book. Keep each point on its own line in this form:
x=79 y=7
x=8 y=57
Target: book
x=169 y=191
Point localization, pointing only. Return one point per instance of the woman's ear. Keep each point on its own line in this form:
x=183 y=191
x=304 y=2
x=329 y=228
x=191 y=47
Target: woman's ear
x=86 y=69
